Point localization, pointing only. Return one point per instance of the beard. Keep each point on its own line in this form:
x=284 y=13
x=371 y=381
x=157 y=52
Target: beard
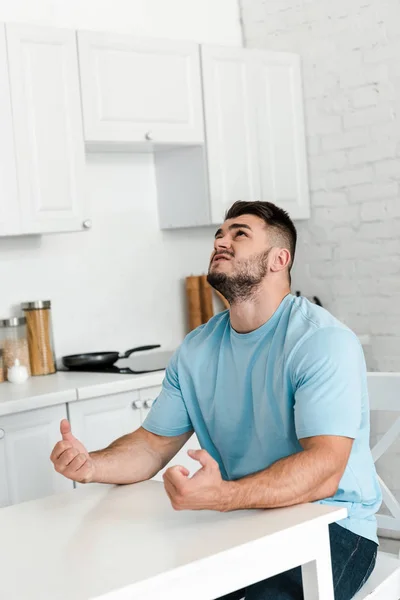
x=244 y=283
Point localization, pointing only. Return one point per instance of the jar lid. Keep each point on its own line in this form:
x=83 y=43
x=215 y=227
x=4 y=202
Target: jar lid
x=37 y=304
x=13 y=322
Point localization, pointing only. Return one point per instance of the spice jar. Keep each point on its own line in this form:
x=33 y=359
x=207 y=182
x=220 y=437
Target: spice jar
x=2 y=377
x=40 y=337
x=14 y=343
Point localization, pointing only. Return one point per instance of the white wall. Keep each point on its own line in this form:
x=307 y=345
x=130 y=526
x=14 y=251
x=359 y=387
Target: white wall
x=120 y=284
x=349 y=252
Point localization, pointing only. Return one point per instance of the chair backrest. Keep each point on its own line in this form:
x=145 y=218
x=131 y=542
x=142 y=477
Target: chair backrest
x=384 y=395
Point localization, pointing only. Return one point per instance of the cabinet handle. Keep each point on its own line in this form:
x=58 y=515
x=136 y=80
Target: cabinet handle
x=2 y=433
x=87 y=224
x=148 y=135
x=149 y=403
x=137 y=404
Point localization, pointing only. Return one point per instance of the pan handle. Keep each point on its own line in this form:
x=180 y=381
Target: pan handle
x=138 y=349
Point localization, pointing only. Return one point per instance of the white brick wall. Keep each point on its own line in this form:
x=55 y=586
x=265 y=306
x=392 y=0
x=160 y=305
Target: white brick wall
x=349 y=251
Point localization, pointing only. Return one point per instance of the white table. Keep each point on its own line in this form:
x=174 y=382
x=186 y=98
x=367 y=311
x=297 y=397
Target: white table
x=126 y=542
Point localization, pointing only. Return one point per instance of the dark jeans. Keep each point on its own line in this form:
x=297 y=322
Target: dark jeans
x=353 y=559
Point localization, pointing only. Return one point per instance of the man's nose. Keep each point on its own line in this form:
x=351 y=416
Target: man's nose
x=222 y=243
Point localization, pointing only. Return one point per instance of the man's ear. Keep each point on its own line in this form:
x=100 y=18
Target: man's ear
x=279 y=260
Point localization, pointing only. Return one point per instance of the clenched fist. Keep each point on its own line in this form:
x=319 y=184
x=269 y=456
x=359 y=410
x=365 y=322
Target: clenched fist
x=70 y=457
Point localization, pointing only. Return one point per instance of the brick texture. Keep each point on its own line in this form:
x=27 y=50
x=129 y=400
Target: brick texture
x=349 y=250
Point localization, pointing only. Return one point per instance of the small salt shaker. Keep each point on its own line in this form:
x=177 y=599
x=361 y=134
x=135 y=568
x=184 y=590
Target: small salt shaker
x=17 y=373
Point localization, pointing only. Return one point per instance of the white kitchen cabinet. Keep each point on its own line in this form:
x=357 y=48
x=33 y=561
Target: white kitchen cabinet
x=26 y=442
x=280 y=129
x=4 y=493
x=230 y=105
x=255 y=141
x=138 y=90
x=254 y=129
x=47 y=127
x=147 y=397
x=9 y=207
x=97 y=422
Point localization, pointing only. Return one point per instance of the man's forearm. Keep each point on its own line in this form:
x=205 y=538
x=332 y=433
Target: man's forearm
x=129 y=459
x=304 y=477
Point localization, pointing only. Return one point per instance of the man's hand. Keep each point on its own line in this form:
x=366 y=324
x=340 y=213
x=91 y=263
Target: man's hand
x=70 y=457
x=206 y=490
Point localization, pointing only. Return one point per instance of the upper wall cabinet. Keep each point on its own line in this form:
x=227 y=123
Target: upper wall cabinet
x=255 y=142
x=230 y=104
x=140 y=90
x=280 y=129
x=255 y=129
x=9 y=208
x=47 y=126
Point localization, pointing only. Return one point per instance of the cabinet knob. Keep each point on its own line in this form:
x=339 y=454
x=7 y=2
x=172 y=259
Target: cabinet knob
x=137 y=404
x=87 y=224
x=149 y=403
x=148 y=135
x=2 y=433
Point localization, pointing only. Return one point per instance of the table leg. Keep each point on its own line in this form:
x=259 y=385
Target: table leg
x=317 y=574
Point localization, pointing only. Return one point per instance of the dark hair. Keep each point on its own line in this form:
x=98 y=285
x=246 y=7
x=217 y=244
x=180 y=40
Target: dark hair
x=275 y=217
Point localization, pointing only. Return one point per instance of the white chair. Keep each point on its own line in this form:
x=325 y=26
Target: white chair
x=384 y=583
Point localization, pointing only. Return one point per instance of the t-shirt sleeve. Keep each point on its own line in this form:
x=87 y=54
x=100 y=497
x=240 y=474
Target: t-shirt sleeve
x=168 y=415
x=328 y=376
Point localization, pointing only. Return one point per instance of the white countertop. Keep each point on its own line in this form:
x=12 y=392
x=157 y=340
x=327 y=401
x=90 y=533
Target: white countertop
x=48 y=390
x=100 y=539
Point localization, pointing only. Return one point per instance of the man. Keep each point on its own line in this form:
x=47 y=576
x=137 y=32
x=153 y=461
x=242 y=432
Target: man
x=276 y=392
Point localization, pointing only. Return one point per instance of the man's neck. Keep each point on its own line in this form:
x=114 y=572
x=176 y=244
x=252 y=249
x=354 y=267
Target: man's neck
x=250 y=314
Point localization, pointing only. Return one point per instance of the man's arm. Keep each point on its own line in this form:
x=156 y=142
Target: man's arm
x=310 y=475
x=136 y=457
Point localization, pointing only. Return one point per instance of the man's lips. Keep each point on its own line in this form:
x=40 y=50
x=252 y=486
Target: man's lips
x=218 y=257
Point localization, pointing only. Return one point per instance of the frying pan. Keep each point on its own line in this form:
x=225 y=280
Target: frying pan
x=101 y=359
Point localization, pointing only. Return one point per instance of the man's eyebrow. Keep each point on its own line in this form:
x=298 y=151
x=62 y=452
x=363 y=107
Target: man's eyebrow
x=239 y=226
x=234 y=226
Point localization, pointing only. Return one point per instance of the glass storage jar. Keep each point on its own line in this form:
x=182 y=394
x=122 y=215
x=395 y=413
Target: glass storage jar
x=14 y=343
x=40 y=337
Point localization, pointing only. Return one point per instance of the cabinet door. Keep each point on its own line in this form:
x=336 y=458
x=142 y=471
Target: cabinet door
x=44 y=81
x=229 y=106
x=9 y=208
x=26 y=442
x=138 y=90
x=281 y=136
x=147 y=397
x=97 y=422
x=4 y=491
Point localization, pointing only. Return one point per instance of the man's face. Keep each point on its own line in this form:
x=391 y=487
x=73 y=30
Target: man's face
x=239 y=260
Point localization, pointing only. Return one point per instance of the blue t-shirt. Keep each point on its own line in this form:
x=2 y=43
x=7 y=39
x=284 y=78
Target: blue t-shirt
x=250 y=397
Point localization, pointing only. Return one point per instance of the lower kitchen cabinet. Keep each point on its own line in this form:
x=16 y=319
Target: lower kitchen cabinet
x=27 y=439
x=97 y=422
x=26 y=442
